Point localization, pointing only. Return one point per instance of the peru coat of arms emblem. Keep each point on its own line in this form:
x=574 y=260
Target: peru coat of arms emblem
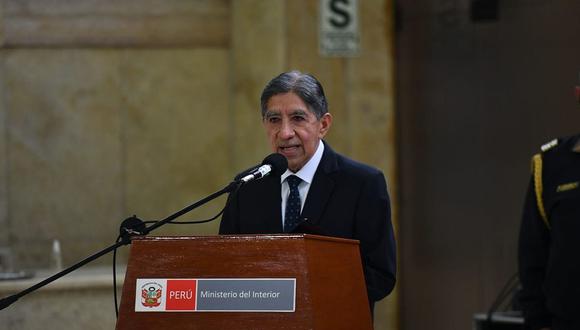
x=151 y=294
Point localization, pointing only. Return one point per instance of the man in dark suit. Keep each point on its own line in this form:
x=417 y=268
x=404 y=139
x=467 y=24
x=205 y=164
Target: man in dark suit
x=321 y=190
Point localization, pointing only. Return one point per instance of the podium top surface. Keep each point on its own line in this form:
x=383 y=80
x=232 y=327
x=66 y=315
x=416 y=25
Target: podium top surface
x=501 y=317
x=249 y=237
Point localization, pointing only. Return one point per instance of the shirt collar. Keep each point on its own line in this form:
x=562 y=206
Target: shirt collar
x=306 y=173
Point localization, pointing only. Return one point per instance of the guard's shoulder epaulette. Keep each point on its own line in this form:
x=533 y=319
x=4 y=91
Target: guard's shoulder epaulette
x=539 y=186
x=549 y=145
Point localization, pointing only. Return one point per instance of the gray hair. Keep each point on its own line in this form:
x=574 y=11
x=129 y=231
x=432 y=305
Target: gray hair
x=304 y=85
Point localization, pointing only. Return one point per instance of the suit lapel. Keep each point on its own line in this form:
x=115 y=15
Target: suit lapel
x=271 y=205
x=321 y=188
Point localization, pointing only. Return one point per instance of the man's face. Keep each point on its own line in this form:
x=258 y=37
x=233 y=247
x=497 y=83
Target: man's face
x=293 y=130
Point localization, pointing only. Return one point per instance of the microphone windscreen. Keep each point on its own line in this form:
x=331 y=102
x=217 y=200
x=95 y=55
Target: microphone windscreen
x=278 y=162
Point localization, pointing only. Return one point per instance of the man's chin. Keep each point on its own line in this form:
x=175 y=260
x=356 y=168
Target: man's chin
x=294 y=166
x=295 y=158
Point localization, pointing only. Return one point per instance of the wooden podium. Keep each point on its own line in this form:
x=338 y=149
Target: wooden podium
x=330 y=291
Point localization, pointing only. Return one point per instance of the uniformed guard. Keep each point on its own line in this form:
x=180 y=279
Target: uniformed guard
x=549 y=242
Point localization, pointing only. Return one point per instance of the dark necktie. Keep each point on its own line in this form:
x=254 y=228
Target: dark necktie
x=292 y=214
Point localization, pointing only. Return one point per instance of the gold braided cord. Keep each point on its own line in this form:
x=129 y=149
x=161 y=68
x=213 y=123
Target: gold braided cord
x=538 y=187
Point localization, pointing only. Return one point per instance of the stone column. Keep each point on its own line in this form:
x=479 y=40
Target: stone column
x=258 y=53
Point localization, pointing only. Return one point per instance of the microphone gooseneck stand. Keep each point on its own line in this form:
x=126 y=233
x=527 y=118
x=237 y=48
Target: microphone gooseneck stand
x=130 y=227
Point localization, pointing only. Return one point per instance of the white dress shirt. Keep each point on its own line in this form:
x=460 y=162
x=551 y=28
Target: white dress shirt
x=306 y=173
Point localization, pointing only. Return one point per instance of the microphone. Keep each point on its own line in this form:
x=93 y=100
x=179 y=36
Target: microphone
x=274 y=164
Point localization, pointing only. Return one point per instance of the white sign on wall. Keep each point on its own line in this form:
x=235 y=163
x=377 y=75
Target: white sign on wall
x=339 y=31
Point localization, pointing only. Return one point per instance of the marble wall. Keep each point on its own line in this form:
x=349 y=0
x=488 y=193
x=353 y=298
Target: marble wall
x=95 y=135
x=81 y=300
x=115 y=108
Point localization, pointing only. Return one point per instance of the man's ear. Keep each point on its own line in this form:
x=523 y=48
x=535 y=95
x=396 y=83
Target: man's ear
x=325 y=123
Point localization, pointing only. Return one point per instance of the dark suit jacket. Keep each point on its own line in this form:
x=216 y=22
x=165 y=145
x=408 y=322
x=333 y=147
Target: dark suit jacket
x=346 y=199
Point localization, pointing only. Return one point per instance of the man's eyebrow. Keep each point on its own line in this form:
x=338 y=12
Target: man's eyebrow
x=298 y=112
x=271 y=113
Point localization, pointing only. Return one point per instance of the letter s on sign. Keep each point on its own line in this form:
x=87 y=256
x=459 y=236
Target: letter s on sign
x=341 y=18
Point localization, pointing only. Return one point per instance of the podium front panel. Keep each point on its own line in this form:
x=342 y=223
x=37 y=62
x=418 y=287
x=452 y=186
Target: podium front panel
x=251 y=256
